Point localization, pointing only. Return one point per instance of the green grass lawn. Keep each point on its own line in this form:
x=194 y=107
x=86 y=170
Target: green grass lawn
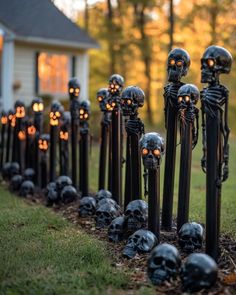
x=41 y=253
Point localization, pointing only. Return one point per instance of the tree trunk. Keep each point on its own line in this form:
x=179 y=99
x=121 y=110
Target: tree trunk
x=171 y=29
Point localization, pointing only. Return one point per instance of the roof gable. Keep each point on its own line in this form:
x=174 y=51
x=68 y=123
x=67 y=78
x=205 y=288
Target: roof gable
x=41 y=19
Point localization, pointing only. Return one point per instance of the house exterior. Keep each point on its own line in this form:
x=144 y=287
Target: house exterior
x=40 y=49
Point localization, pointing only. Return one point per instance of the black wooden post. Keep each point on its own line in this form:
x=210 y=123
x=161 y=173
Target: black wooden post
x=188 y=96
x=4 y=120
x=30 y=147
x=64 y=144
x=74 y=91
x=116 y=83
x=43 y=145
x=84 y=110
x=55 y=115
x=178 y=64
x=215 y=61
x=128 y=179
x=10 y=128
x=152 y=149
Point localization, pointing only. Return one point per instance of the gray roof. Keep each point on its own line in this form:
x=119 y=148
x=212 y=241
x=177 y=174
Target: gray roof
x=41 y=21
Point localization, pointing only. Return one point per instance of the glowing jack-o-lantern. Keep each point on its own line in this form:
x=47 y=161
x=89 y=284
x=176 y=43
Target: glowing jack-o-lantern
x=43 y=142
x=4 y=120
x=74 y=88
x=64 y=135
x=19 y=109
x=37 y=105
x=21 y=135
x=84 y=110
x=31 y=130
x=55 y=113
x=116 y=84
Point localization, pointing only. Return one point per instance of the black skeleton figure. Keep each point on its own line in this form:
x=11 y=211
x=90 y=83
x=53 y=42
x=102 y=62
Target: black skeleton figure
x=74 y=91
x=132 y=98
x=84 y=114
x=116 y=84
x=188 y=96
x=177 y=67
x=102 y=97
x=216 y=60
x=64 y=143
x=152 y=149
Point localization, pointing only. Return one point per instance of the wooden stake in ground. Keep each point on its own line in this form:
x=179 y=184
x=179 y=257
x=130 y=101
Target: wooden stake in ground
x=64 y=143
x=10 y=130
x=31 y=161
x=152 y=150
x=43 y=146
x=4 y=120
x=216 y=60
x=188 y=96
x=177 y=66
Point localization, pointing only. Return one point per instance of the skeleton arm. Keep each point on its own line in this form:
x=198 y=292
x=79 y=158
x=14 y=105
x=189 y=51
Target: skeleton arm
x=226 y=132
x=195 y=128
x=203 y=160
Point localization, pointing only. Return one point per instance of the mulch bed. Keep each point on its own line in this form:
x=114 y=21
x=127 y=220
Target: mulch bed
x=136 y=267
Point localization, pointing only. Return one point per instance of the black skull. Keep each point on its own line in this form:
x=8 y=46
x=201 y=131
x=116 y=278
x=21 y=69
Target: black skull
x=102 y=97
x=116 y=84
x=43 y=142
x=178 y=64
x=198 y=272
x=51 y=194
x=190 y=236
x=68 y=194
x=10 y=169
x=19 y=109
x=16 y=182
x=37 y=105
x=74 y=88
x=108 y=201
x=152 y=148
x=87 y=207
x=136 y=215
x=84 y=110
x=61 y=182
x=27 y=188
x=142 y=241
x=102 y=194
x=163 y=263
x=105 y=214
x=29 y=174
x=188 y=94
x=116 y=229
x=55 y=113
x=132 y=98
x=216 y=60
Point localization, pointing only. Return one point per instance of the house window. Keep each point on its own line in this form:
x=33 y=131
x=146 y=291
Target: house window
x=1 y=51
x=53 y=73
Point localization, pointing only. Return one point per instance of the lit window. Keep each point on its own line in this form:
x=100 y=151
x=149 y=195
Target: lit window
x=1 y=50
x=53 y=73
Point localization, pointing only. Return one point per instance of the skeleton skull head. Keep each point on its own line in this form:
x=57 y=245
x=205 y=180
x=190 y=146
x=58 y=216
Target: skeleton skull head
x=43 y=142
x=188 y=94
x=102 y=97
x=84 y=110
x=102 y=194
x=37 y=105
x=163 y=263
x=31 y=130
x=190 y=236
x=16 y=182
x=74 y=88
x=136 y=215
x=216 y=60
x=51 y=194
x=68 y=194
x=116 y=229
x=65 y=126
x=87 y=207
x=27 y=188
x=55 y=113
x=61 y=182
x=19 y=109
x=142 y=241
x=132 y=98
x=178 y=64
x=116 y=84
x=108 y=201
x=10 y=169
x=198 y=272
x=105 y=214
x=29 y=174
x=4 y=118
x=152 y=148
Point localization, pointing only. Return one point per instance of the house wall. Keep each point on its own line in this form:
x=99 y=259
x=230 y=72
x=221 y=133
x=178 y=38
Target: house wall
x=24 y=70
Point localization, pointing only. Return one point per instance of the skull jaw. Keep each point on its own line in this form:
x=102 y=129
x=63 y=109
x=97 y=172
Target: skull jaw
x=150 y=164
x=158 y=276
x=129 y=252
x=174 y=76
x=193 y=285
x=133 y=225
x=83 y=213
x=115 y=237
x=102 y=223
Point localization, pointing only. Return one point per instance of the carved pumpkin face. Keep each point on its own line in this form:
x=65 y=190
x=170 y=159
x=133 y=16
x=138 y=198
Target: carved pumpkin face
x=38 y=107
x=54 y=118
x=31 y=130
x=64 y=135
x=20 y=111
x=83 y=114
x=43 y=143
x=21 y=135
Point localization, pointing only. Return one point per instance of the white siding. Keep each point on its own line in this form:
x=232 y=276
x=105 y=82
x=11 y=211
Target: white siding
x=82 y=72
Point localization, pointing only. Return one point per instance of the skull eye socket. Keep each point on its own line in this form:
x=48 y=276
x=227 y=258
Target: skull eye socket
x=170 y=264
x=57 y=114
x=85 y=116
x=129 y=101
x=71 y=90
x=106 y=214
x=210 y=63
x=180 y=98
x=187 y=98
x=137 y=212
x=128 y=212
x=77 y=90
x=113 y=104
x=179 y=63
x=157 y=260
x=156 y=153
x=145 y=152
x=81 y=111
x=117 y=86
x=100 y=98
x=172 y=62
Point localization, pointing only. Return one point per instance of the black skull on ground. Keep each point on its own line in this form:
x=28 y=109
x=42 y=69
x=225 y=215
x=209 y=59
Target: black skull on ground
x=16 y=182
x=116 y=229
x=10 y=169
x=52 y=194
x=108 y=201
x=87 y=207
x=102 y=194
x=136 y=215
x=198 y=272
x=105 y=214
x=68 y=194
x=29 y=174
x=61 y=182
x=163 y=264
x=142 y=241
x=27 y=188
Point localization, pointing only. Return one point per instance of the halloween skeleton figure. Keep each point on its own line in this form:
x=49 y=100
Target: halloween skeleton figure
x=84 y=115
x=64 y=143
x=43 y=145
x=102 y=98
x=215 y=61
x=188 y=96
x=74 y=91
x=116 y=84
x=177 y=67
x=152 y=149
x=132 y=98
